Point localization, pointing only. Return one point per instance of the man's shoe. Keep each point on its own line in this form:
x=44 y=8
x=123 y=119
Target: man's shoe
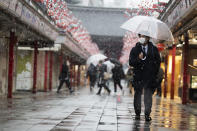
x=137 y=117
x=122 y=92
x=109 y=92
x=71 y=91
x=98 y=93
x=58 y=91
x=148 y=118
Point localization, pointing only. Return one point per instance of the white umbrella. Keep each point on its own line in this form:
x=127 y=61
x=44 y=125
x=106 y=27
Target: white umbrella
x=110 y=66
x=148 y=26
x=94 y=59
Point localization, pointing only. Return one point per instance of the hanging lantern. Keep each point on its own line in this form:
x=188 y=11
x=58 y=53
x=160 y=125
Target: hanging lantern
x=64 y=19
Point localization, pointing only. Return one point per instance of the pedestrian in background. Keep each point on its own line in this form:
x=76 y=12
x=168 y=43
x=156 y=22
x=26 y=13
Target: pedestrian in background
x=92 y=74
x=64 y=78
x=129 y=77
x=117 y=75
x=102 y=68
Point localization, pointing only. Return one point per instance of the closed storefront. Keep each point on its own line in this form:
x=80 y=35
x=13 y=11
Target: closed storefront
x=24 y=70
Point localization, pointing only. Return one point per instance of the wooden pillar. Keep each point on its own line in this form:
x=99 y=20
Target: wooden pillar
x=61 y=61
x=71 y=73
x=13 y=40
x=185 y=69
x=84 y=77
x=74 y=75
x=46 y=71
x=51 y=71
x=173 y=71
x=166 y=76
x=78 y=75
x=35 y=66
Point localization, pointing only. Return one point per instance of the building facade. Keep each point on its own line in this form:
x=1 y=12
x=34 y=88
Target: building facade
x=180 y=57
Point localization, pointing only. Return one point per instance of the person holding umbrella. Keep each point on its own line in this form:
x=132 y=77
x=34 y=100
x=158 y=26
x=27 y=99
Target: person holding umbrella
x=102 y=69
x=145 y=60
x=92 y=74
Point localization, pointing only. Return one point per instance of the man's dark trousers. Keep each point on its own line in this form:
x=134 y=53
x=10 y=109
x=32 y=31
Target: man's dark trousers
x=62 y=82
x=148 y=92
x=103 y=84
x=117 y=82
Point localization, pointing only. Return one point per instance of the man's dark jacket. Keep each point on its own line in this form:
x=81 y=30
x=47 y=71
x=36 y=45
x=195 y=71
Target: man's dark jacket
x=64 y=73
x=145 y=70
x=118 y=73
x=92 y=72
x=102 y=69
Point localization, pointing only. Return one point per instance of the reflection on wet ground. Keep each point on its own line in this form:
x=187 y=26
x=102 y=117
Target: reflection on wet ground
x=85 y=111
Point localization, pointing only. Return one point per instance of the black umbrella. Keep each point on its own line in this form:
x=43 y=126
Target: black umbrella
x=115 y=61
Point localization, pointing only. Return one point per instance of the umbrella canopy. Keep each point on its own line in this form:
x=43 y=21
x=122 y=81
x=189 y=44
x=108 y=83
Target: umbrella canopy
x=94 y=59
x=110 y=66
x=148 y=26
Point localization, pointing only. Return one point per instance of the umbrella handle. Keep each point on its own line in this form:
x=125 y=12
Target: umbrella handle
x=144 y=58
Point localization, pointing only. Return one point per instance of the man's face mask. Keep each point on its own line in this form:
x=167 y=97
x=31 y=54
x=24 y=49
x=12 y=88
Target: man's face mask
x=142 y=40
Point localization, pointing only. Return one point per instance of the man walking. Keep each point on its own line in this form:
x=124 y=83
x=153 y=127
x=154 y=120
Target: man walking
x=118 y=74
x=102 y=68
x=64 y=77
x=92 y=74
x=145 y=60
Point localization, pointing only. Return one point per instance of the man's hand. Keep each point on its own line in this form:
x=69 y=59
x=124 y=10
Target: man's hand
x=141 y=56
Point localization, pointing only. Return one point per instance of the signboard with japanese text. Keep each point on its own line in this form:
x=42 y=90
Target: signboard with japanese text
x=37 y=21
x=29 y=17
x=4 y=3
x=41 y=26
x=34 y=20
x=23 y=13
x=179 y=11
x=12 y=5
x=19 y=7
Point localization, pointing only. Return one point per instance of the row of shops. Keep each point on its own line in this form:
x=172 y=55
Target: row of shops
x=32 y=51
x=180 y=57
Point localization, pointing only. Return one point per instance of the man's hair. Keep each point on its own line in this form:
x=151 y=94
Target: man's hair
x=100 y=62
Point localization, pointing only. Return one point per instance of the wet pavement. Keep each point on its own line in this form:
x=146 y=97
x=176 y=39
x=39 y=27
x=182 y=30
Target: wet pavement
x=85 y=111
